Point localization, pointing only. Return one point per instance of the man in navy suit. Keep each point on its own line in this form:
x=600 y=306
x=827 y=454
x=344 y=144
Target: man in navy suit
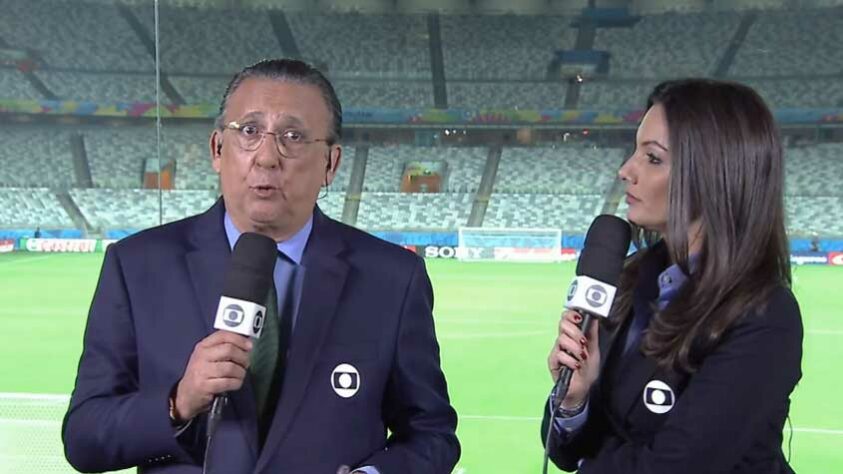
x=357 y=355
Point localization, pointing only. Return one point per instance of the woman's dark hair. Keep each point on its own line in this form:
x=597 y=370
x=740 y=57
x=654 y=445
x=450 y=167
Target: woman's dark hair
x=727 y=173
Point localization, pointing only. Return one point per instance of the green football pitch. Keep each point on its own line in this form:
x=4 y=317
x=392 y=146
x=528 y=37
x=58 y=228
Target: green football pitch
x=495 y=323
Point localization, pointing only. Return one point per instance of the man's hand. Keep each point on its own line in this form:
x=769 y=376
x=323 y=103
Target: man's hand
x=218 y=364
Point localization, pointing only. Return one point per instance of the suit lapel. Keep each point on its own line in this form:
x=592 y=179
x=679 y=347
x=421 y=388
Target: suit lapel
x=324 y=277
x=207 y=263
x=629 y=372
x=634 y=371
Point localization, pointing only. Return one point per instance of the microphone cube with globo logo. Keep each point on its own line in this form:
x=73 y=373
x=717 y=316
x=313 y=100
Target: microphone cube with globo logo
x=240 y=316
x=589 y=294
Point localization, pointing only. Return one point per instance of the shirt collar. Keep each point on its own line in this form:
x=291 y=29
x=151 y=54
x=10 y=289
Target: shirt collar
x=292 y=247
x=672 y=279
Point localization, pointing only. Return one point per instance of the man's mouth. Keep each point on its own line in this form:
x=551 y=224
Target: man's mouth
x=263 y=189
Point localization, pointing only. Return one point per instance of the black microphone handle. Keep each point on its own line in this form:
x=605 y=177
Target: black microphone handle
x=214 y=417
x=215 y=413
x=560 y=390
x=561 y=387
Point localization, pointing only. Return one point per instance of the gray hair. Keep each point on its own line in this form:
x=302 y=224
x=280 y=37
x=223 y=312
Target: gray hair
x=290 y=70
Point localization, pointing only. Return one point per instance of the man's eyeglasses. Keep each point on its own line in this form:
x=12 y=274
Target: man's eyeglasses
x=289 y=143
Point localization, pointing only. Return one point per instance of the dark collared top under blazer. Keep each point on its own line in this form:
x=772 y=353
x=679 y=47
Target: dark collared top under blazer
x=725 y=418
x=364 y=302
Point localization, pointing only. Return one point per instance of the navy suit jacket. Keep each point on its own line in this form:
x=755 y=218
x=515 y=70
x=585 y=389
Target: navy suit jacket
x=727 y=417
x=364 y=302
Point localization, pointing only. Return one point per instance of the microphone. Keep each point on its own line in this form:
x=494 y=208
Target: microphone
x=241 y=308
x=599 y=267
x=593 y=290
x=248 y=279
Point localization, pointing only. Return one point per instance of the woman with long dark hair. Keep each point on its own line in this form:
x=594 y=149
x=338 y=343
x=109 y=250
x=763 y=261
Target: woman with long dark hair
x=693 y=370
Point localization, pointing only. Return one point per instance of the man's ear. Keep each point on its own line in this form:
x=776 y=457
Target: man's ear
x=215 y=147
x=333 y=163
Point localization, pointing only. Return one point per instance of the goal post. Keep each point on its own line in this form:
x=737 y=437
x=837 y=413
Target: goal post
x=509 y=244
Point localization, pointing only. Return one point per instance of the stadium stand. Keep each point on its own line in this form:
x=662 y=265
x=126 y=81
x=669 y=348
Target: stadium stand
x=562 y=170
x=35 y=156
x=799 y=93
x=77 y=35
x=117 y=156
x=372 y=46
x=15 y=86
x=211 y=41
x=384 y=94
x=331 y=203
x=569 y=212
x=465 y=167
x=405 y=211
x=610 y=95
x=479 y=47
x=201 y=89
x=809 y=214
x=31 y=207
x=668 y=45
x=188 y=148
x=814 y=171
x=777 y=44
x=385 y=166
x=506 y=95
x=138 y=208
x=100 y=87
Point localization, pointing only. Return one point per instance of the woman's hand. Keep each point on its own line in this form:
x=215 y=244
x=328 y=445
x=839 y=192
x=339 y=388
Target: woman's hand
x=578 y=352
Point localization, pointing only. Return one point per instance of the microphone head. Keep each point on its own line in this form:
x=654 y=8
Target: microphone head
x=599 y=267
x=605 y=249
x=250 y=269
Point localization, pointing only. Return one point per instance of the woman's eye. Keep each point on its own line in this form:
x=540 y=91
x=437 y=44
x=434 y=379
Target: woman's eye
x=653 y=159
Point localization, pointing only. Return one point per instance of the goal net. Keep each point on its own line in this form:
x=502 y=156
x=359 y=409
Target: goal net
x=506 y=244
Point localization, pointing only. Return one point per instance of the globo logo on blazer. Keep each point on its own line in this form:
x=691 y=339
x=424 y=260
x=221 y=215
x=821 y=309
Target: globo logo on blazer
x=345 y=380
x=658 y=397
